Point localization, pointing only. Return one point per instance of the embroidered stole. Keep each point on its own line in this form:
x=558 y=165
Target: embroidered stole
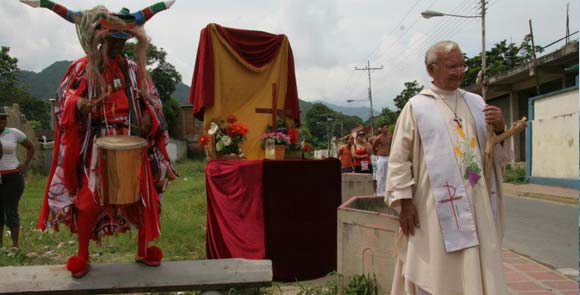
x=450 y=197
x=476 y=105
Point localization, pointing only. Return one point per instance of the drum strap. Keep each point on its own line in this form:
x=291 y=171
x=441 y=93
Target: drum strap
x=132 y=108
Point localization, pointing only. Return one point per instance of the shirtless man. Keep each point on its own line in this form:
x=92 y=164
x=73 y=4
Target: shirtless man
x=382 y=149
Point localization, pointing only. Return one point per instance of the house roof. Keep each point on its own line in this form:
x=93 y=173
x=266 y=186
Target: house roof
x=554 y=63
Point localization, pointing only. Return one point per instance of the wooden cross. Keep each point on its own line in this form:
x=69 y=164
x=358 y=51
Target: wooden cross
x=492 y=140
x=452 y=197
x=274 y=110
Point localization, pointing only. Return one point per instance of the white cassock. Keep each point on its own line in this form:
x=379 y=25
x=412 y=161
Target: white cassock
x=422 y=259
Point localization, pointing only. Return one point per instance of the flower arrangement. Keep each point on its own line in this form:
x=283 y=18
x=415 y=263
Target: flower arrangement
x=224 y=138
x=279 y=138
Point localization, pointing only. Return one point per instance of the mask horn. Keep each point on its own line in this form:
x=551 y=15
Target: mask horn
x=145 y=14
x=70 y=15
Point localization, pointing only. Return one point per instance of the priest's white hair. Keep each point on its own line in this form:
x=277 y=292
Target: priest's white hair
x=432 y=53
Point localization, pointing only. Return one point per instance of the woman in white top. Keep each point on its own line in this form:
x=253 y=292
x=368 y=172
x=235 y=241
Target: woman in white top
x=11 y=177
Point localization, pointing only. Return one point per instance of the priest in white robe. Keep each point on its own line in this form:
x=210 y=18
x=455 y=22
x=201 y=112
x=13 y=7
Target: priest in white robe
x=451 y=227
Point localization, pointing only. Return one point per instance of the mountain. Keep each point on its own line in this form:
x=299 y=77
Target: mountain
x=43 y=85
x=361 y=112
x=182 y=93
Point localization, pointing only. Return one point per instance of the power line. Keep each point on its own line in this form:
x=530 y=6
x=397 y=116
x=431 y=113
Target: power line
x=446 y=27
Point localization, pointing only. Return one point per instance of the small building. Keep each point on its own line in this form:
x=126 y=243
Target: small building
x=552 y=138
x=189 y=129
x=512 y=90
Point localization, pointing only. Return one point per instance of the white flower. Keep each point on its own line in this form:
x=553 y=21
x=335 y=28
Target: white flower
x=213 y=128
x=219 y=146
x=226 y=140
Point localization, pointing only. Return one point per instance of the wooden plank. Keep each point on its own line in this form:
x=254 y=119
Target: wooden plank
x=115 y=278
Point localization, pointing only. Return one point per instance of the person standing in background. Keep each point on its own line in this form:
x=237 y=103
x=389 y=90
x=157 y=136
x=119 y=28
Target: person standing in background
x=11 y=177
x=361 y=153
x=381 y=150
x=345 y=156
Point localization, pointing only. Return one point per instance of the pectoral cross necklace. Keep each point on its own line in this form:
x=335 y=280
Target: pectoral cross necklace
x=456 y=119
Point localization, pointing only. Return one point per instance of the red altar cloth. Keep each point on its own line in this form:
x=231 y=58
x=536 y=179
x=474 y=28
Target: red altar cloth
x=285 y=211
x=257 y=48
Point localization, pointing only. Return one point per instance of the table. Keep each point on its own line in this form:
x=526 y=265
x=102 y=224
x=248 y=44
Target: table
x=285 y=211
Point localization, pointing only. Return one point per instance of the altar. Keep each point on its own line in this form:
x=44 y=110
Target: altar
x=285 y=211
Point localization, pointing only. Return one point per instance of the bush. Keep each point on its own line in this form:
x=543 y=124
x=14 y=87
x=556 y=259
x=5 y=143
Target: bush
x=514 y=174
x=362 y=285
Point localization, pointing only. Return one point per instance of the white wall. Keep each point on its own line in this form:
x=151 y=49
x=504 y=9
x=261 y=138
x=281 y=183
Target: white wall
x=555 y=136
x=177 y=149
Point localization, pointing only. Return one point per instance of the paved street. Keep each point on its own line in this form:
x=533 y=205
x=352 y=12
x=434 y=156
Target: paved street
x=544 y=231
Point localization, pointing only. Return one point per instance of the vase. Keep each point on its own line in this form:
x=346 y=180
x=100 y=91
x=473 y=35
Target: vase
x=280 y=150
x=270 y=150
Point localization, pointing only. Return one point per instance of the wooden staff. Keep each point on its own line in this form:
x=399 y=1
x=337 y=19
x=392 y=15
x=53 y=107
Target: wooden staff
x=492 y=140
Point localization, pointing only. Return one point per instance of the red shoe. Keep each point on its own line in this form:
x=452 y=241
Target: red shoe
x=147 y=261
x=77 y=266
x=153 y=258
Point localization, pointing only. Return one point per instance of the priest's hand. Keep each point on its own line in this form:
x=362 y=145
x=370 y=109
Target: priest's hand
x=408 y=218
x=494 y=116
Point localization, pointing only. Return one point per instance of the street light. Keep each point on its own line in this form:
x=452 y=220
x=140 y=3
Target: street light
x=371 y=112
x=430 y=13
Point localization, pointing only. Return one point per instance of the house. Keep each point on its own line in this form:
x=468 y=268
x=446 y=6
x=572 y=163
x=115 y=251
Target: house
x=549 y=110
x=188 y=129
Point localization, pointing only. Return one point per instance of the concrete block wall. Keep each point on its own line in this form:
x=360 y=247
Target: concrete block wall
x=367 y=230
x=356 y=184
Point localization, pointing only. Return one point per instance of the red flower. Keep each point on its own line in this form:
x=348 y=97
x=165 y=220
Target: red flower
x=232 y=119
x=237 y=128
x=306 y=147
x=293 y=134
x=204 y=139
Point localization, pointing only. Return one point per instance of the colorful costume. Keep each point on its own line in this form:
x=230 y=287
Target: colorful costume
x=128 y=97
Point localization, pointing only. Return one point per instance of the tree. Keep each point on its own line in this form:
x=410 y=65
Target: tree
x=348 y=123
x=8 y=71
x=171 y=110
x=526 y=49
x=162 y=73
x=387 y=116
x=500 y=59
x=318 y=123
x=165 y=78
x=33 y=109
x=411 y=89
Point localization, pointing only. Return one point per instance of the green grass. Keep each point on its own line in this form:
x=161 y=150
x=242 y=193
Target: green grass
x=183 y=221
x=182 y=226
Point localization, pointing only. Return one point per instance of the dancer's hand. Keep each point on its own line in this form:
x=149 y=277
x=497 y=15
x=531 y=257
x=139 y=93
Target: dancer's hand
x=146 y=124
x=84 y=105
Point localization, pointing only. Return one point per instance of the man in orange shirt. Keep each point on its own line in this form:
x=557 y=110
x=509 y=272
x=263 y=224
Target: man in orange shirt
x=345 y=156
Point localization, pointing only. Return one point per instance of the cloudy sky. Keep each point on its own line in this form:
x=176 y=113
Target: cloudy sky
x=329 y=38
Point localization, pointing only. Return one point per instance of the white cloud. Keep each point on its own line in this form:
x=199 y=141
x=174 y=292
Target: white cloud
x=329 y=38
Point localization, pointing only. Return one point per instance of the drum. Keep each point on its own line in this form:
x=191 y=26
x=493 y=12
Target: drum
x=120 y=158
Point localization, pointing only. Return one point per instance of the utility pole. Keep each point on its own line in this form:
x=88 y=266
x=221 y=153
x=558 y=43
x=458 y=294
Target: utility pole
x=534 y=64
x=483 y=53
x=567 y=22
x=369 y=69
